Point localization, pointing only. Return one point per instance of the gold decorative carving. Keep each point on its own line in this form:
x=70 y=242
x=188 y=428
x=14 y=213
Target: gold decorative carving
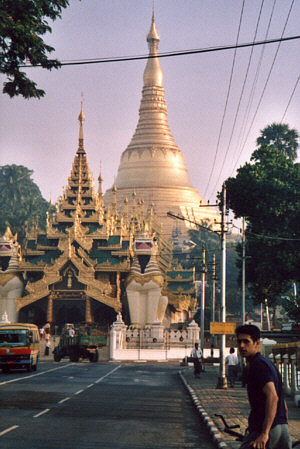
x=142 y=279
x=180 y=278
x=5 y=277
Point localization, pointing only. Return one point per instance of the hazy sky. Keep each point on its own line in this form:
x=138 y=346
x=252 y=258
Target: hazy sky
x=43 y=134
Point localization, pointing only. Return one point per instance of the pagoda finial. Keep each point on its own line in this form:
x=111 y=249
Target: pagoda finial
x=100 y=192
x=153 y=75
x=114 y=197
x=81 y=119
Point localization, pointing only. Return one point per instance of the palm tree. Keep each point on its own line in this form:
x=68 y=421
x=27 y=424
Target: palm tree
x=279 y=135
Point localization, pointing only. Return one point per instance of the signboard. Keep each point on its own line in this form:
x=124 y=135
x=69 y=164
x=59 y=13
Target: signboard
x=222 y=328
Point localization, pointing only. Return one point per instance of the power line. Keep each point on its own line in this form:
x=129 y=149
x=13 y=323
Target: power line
x=253 y=88
x=240 y=98
x=271 y=237
x=170 y=53
x=226 y=102
x=265 y=85
x=290 y=99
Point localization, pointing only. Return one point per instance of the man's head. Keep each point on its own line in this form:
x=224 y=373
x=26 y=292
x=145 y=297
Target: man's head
x=248 y=340
x=231 y=350
x=196 y=345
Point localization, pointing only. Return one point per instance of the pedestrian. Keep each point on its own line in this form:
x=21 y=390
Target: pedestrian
x=267 y=422
x=232 y=362
x=196 y=354
x=47 y=343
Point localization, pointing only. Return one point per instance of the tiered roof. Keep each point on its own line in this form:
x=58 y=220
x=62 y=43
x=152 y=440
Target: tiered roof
x=85 y=239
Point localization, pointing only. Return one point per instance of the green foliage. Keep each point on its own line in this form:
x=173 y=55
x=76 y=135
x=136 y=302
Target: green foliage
x=292 y=307
x=266 y=192
x=22 y=23
x=279 y=135
x=211 y=242
x=20 y=198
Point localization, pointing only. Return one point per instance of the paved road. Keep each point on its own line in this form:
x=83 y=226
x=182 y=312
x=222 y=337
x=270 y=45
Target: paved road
x=101 y=405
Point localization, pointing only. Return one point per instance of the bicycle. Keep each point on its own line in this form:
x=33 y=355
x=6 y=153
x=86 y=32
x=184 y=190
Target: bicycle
x=239 y=436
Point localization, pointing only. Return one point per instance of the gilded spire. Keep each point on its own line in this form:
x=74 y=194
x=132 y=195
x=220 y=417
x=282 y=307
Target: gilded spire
x=114 y=199
x=100 y=179
x=81 y=119
x=153 y=75
x=159 y=159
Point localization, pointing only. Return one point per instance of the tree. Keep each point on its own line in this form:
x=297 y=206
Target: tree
x=22 y=23
x=266 y=192
x=292 y=306
x=279 y=135
x=211 y=242
x=20 y=198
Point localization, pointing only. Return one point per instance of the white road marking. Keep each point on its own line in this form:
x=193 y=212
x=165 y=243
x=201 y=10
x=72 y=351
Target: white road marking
x=8 y=430
x=35 y=375
x=63 y=400
x=78 y=392
x=42 y=413
x=89 y=386
x=110 y=372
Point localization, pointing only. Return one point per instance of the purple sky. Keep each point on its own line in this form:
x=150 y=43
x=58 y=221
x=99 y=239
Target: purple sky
x=43 y=134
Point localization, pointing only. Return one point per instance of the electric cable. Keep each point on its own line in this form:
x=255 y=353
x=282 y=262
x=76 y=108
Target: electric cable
x=226 y=101
x=271 y=237
x=265 y=85
x=290 y=99
x=253 y=89
x=170 y=53
x=240 y=98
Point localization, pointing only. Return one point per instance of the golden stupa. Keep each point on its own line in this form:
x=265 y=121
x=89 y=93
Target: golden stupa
x=152 y=168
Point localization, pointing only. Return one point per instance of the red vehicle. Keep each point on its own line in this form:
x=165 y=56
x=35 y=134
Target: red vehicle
x=19 y=346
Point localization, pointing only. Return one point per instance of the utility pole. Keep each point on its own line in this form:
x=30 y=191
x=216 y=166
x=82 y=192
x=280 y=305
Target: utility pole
x=213 y=311
x=213 y=315
x=243 y=273
x=222 y=380
x=202 y=301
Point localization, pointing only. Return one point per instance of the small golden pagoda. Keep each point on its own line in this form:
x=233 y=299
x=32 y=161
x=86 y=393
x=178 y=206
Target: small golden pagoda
x=75 y=270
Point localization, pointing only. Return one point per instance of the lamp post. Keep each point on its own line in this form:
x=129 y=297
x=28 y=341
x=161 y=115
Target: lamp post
x=243 y=273
x=222 y=380
x=202 y=301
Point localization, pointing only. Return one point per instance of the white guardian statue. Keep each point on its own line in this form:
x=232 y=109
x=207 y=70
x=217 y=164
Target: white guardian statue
x=144 y=285
x=11 y=282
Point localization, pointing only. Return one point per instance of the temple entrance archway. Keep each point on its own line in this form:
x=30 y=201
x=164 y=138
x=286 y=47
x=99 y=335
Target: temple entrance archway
x=68 y=311
x=103 y=315
x=34 y=313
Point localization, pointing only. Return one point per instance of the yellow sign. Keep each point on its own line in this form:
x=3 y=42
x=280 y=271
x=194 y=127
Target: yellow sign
x=222 y=328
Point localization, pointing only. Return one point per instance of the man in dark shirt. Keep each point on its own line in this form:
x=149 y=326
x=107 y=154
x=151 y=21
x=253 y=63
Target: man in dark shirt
x=268 y=416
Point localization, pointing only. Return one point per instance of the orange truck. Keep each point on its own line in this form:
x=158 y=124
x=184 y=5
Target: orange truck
x=19 y=346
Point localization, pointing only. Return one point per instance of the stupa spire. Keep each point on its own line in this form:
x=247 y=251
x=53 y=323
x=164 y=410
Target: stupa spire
x=153 y=74
x=81 y=119
x=152 y=137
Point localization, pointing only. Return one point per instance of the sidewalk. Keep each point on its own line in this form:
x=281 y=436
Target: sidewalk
x=45 y=358
x=231 y=403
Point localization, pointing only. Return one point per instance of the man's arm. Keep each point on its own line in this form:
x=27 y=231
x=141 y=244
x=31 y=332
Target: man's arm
x=270 y=412
x=286 y=410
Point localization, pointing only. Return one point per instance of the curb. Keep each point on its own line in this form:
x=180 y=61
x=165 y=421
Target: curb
x=214 y=432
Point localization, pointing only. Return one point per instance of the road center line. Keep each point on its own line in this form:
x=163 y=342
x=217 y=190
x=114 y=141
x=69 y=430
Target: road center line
x=110 y=372
x=8 y=430
x=42 y=413
x=78 y=392
x=63 y=400
x=89 y=386
x=35 y=375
